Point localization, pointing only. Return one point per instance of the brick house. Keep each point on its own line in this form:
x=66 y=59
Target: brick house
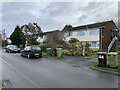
x=101 y=36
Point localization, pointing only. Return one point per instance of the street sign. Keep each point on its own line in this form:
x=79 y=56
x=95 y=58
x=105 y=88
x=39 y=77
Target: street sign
x=83 y=44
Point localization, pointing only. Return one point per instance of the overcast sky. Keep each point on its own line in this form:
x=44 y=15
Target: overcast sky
x=55 y=15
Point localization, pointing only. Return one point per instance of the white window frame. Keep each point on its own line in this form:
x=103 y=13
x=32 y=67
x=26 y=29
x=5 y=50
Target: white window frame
x=81 y=33
x=94 y=31
x=69 y=34
x=97 y=45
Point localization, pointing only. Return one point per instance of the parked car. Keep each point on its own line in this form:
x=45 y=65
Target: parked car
x=12 y=48
x=31 y=51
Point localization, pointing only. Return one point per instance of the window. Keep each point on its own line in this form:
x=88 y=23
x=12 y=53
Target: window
x=80 y=33
x=69 y=34
x=94 y=44
x=41 y=37
x=36 y=48
x=28 y=48
x=12 y=46
x=97 y=45
x=94 y=32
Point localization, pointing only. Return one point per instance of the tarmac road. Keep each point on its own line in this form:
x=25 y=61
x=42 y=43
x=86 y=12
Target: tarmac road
x=44 y=73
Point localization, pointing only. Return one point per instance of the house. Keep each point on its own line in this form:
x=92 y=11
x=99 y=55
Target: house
x=101 y=36
x=49 y=35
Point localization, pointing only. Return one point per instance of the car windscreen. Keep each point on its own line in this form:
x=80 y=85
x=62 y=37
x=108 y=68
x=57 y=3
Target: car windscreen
x=27 y=48
x=36 y=48
x=12 y=46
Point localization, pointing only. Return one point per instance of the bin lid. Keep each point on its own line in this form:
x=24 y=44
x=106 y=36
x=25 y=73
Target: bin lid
x=102 y=52
x=112 y=53
x=59 y=48
x=48 y=48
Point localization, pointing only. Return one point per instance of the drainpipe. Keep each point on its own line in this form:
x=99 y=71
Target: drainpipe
x=101 y=39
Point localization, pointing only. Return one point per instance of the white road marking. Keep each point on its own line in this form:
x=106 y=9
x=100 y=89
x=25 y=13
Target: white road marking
x=37 y=86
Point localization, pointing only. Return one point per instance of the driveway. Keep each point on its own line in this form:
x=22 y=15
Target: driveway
x=78 y=60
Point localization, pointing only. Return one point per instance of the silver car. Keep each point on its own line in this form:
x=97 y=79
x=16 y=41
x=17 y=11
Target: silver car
x=12 y=48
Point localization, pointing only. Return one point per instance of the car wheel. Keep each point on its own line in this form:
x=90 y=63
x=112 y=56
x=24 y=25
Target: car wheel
x=40 y=56
x=21 y=54
x=9 y=51
x=28 y=56
x=6 y=51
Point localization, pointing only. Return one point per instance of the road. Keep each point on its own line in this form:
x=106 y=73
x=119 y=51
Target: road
x=44 y=73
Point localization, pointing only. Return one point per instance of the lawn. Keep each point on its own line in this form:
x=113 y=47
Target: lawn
x=91 y=55
x=95 y=65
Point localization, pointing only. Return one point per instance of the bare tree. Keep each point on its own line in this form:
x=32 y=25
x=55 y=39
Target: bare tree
x=32 y=30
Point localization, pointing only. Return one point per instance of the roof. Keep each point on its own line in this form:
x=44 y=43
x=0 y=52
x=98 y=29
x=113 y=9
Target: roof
x=50 y=32
x=94 y=25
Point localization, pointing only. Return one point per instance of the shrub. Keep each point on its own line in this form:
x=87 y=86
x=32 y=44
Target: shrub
x=66 y=52
x=44 y=54
x=73 y=40
x=66 y=46
x=75 y=49
x=43 y=48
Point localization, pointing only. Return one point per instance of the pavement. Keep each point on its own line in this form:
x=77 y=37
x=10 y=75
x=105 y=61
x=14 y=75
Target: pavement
x=45 y=73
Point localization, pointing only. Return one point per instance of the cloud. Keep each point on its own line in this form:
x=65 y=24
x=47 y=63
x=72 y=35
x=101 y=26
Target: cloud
x=54 y=15
x=0 y=16
x=99 y=11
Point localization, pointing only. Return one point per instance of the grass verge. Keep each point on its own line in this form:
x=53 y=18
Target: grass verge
x=91 y=56
x=51 y=57
x=95 y=65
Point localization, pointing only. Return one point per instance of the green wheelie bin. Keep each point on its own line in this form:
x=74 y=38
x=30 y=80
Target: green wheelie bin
x=59 y=52
x=49 y=51
x=112 y=58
